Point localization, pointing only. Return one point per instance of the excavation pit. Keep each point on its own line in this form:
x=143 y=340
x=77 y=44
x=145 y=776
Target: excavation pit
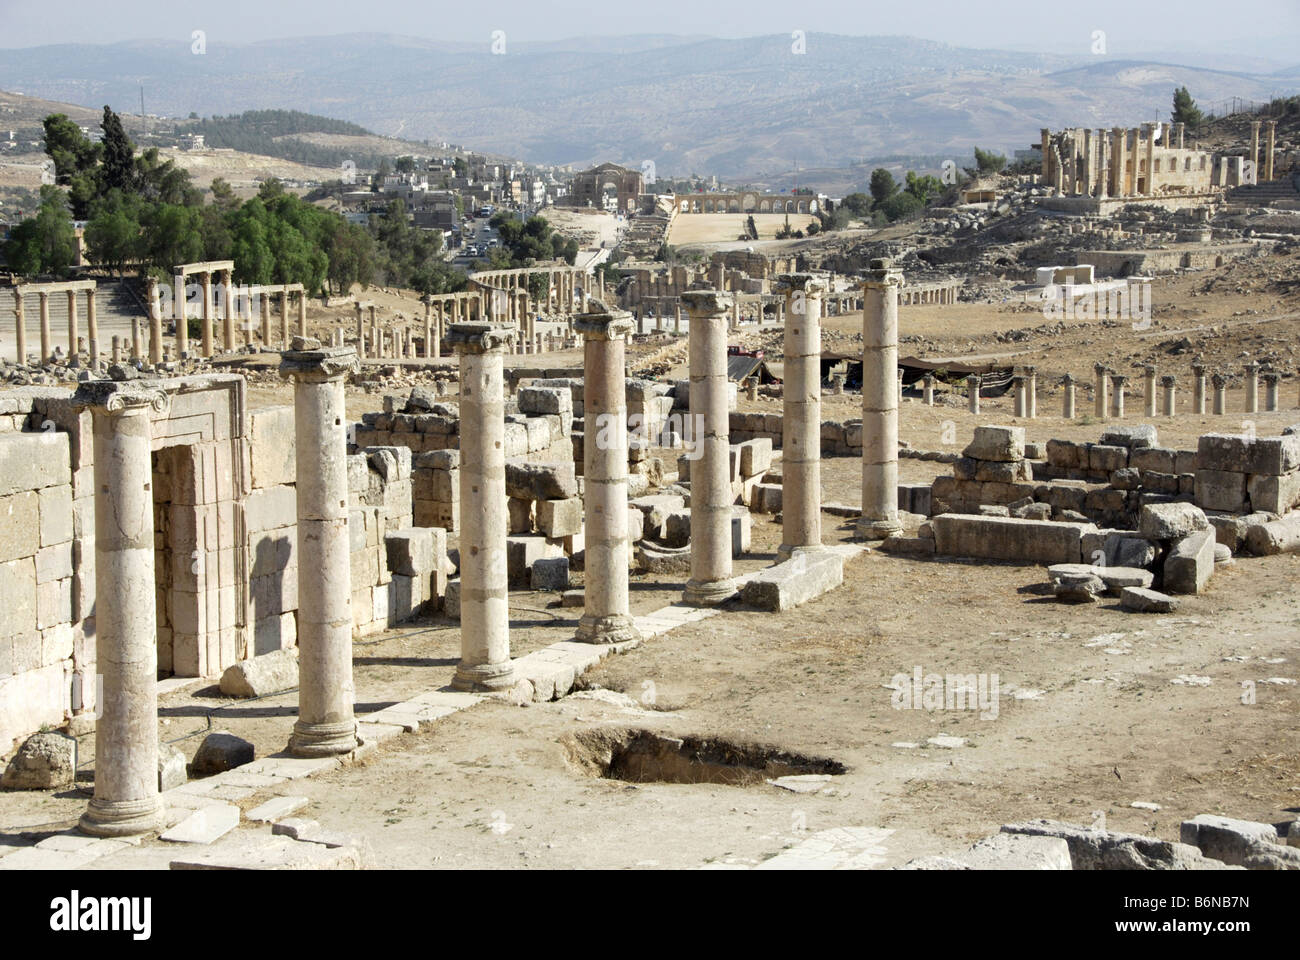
x=642 y=756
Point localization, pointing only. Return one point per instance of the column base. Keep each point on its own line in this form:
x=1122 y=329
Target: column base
x=484 y=677
x=618 y=628
x=708 y=593
x=122 y=818
x=866 y=529
x=786 y=550
x=323 y=739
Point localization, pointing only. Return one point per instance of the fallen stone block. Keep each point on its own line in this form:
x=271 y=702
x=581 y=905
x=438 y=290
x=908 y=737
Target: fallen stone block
x=677 y=528
x=667 y=560
x=45 y=761
x=411 y=551
x=1141 y=600
x=755 y=456
x=1275 y=536
x=1078 y=588
x=1008 y=538
x=257 y=676
x=274 y=853
x=1221 y=490
x=451 y=600
x=1190 y=563
x=742 y=525
x=786 y=585
x=1018 y=851
x=172 y=772
x=1223 y=838
x=560 y=518
x=277 y=808
x=1102 y=850
x=550 y=573
x=1117 y=579
x=655 y=510
x=1170 y=521
x=540 y=481
x=1133 y=437
x=1005 y=444
x=221 y=751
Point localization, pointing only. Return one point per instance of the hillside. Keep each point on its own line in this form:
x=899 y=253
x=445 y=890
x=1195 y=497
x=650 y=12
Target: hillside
x=742 y=108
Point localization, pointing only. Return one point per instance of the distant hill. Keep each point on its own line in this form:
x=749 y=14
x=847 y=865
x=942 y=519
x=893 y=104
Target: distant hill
x=743 y=108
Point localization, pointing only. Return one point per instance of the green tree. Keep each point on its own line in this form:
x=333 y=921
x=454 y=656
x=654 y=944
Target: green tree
x=113 y=233
x=1185 y=109
x=44 y=244
x=883 y=185
x=223 y=195
x=902 y=205
x=858 y=204
x=76 y=162
x=119 y=170
x=923 y=187
x=986 y=161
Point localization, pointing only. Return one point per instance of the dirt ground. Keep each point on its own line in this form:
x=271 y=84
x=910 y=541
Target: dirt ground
x=1197 y=712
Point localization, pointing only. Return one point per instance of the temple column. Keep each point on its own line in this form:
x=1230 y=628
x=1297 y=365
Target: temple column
x=801 y=432
x=126 y=799
x=72 y=328
x=1270 y=150
x=1149 y=390
x=1169 y=383
x=1198 y=389
x=47 y=345
x=1031 y=395
x=973 y=393
x=92 y=329
x=711 y=580
x=1271 y=378
x=607 y=617
x=302 y=313
x=1100 y=406
x=880 y=386
x=1067 y=403
x=1220 y=383
x=1252 y=387
x=264 y=299
x=284 y=319
x=1117 y=381
x=1020 y=396
x=326 y=725
x=227 y=313
x=484 y=592
x=20 y=327
x=205 y=278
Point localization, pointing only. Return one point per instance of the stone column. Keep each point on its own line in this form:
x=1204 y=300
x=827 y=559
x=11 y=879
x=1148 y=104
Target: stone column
x=1067 y=404
x=117 y=351
x=880 y=402
x=206 y=279
x=284 y=319
x=1149 y=389
x=1271 y=378
x=72 y=327
x=607 y=617
x=1117 y=381
x=265 y=300
x=484 y=597
x=227 y=313
x=1031 y=396
x=47 y=345
x=126 y=797
x=1099 y=396
x=1220 y=383
x=326 y=725
x=302 y=313
x=801 y=437
x=20 y=327
x=973 y=393
x=1169 y=383
x=361 y=331
x=137 y=347
x=1254 y=148
x=1198 y=389
x=1252 y=387
x=155 y=325
x=1020 y=388
x=927 y=390
x=1270 y=150
x=711 y=580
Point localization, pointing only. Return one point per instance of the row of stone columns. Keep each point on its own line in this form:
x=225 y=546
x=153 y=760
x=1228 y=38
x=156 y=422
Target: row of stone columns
x=47 y=340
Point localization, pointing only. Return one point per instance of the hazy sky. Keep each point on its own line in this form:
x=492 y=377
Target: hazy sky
x=1270 y=29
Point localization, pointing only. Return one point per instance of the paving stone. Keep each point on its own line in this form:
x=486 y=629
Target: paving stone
x=204 y=826
x=277 y=808
x=291 y=768
x=274 y=853
x=786 y=585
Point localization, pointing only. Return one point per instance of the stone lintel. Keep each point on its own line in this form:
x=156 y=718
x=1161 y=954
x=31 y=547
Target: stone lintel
x=308 y=360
